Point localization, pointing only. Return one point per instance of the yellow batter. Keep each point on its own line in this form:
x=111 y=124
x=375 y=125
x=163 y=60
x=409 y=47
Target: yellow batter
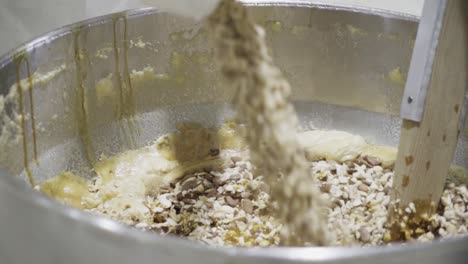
x=125 y=179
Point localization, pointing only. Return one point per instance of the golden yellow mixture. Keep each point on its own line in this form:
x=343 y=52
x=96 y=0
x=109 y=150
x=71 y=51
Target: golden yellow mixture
x=199 y=183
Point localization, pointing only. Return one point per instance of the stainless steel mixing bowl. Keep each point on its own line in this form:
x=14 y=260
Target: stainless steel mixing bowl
x=347 y=67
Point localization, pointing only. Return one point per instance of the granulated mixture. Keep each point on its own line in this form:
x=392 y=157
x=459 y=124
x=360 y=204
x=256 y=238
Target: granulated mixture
x=262 y=100
x=199 y=183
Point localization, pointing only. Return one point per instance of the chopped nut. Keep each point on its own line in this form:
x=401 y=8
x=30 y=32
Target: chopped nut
x=232 y=202
x=158 y=218
x=363 y=188
x=165 y=203
x=211 y=193
x=325 y=187
x=235 y=177
x=247 y=206
x=343 y=179
x=364 y=234
x=373 y=161
x=190 y=183
x=246 y=195
x=349 y=164
x=207 y=184
x=200 y=188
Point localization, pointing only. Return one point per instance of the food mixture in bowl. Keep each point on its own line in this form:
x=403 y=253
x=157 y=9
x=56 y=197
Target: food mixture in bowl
x=271 y=186
x=199 y=183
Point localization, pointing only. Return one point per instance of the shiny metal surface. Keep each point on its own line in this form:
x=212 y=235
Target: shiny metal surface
x=420 y=72
x=347 y=67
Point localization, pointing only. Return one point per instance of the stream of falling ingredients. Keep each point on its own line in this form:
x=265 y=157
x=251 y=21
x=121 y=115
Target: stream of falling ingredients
x=262 y=100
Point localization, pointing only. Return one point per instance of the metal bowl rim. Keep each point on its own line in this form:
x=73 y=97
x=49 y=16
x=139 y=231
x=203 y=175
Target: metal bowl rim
x=67 y=29
x=120 y=231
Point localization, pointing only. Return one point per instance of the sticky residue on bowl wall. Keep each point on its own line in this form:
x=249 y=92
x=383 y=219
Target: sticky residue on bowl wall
x=396 y=76
x=14 y=119
x=105 y=89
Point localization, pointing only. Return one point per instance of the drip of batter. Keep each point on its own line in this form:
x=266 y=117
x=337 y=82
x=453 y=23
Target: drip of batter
x=262 y=101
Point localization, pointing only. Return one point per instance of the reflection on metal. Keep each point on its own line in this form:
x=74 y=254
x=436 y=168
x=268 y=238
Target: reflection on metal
x=420 y=71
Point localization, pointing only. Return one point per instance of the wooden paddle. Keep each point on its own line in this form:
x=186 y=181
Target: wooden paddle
x=427 y=147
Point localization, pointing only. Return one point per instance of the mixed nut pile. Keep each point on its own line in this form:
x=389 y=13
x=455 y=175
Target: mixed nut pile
x=221 y=207
x=228 y=206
